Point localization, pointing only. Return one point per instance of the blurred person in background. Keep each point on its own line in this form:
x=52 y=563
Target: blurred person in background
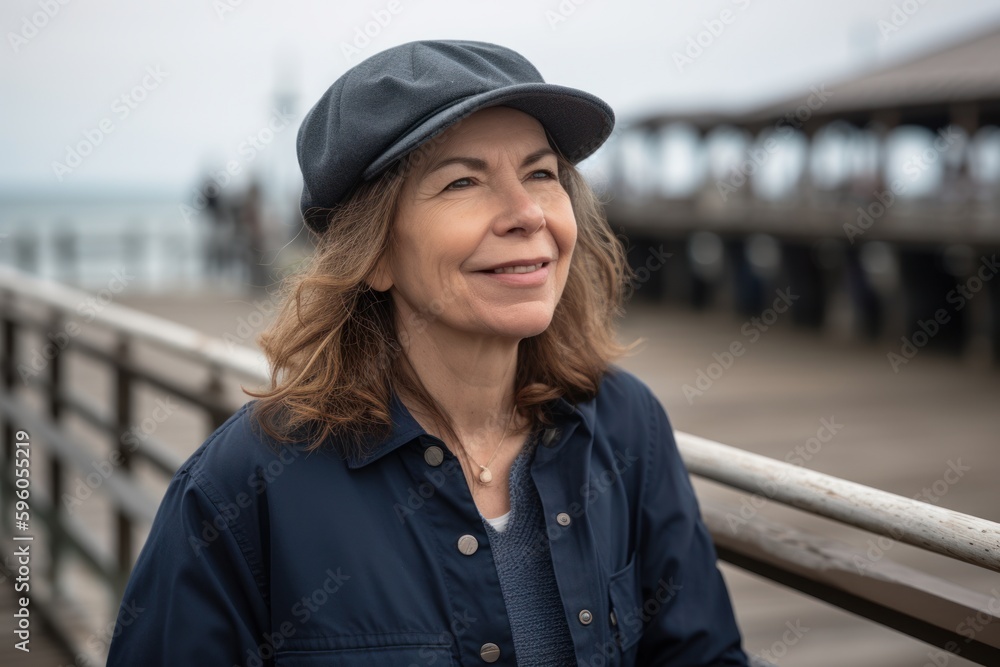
x=220 y=235
x=448 y=468
x=251 y=235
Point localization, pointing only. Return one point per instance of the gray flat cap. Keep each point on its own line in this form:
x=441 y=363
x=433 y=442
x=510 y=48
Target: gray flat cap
x=391 y=103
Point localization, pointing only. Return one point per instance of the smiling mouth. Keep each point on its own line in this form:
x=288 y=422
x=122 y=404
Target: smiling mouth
x=519 y=269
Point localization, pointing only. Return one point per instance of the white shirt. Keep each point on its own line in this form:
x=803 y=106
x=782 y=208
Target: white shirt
x=499 y=523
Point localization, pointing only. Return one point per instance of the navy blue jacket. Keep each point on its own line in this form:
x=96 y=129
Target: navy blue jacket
x=294 y=559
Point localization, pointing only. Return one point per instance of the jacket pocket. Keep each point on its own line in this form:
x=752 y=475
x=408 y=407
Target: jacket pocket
x=626 y=608
x=402 y=650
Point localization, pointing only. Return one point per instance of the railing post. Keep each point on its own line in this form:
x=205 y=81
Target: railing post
x=26 y=251
x=65 y=250
x=55 y=464
x=123 y=415
x=9 y=369
x=132 y=252
x=215 y=394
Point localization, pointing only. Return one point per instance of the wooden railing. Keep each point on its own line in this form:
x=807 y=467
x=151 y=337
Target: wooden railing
x=907 y=600
x=36 y=399
x=915 y=603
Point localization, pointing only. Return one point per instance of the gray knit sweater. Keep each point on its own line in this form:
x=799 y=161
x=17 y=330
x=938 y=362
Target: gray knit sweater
x=527 y=579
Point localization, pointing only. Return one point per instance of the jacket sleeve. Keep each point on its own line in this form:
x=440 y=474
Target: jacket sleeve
x=192 y=598
x=694 y=623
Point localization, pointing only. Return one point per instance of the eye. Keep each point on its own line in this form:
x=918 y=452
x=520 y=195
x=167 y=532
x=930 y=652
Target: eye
x=459 y=184
x=542 y=174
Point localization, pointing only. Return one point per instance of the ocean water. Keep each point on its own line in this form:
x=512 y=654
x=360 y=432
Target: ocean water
x=152 y=243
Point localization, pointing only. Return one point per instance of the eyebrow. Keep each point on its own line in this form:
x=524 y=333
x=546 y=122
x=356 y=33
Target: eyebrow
x=479 y=164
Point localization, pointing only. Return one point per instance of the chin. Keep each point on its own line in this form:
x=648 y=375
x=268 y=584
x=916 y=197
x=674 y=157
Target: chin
x=521 y=322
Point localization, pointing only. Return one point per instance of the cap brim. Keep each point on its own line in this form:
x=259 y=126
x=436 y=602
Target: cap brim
x=578 y=122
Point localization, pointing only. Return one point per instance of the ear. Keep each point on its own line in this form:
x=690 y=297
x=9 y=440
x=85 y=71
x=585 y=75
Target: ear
x=380 y=279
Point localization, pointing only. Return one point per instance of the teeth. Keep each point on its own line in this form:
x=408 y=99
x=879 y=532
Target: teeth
x=518 y=269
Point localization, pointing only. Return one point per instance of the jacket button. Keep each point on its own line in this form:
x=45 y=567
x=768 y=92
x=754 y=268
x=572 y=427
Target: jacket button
x=586 y=617
x=468 y=544
x=614 y=619
x=433 y=455
x=489 y=652
x=550 y=436
x=563 y=519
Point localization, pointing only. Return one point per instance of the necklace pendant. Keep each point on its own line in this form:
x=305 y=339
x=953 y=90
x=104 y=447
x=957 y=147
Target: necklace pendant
x=485 y=476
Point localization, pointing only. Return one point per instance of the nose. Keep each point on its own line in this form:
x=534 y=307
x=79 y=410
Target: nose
x=519 y=211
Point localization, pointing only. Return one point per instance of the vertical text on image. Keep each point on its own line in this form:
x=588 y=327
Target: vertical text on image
x=22 y=551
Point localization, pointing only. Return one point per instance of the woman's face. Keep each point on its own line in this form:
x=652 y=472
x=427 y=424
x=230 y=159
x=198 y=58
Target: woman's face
x=485 y=196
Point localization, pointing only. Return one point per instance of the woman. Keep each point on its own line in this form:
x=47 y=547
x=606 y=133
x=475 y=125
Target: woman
x=448 y=469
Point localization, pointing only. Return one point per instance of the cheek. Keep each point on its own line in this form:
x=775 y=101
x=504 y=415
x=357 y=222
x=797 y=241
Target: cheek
x=565 y=233
x=565 y=236
x=571 y=234
x=431 y=261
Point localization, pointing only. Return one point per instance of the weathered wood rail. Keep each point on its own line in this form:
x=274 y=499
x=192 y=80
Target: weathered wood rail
x=920 y=605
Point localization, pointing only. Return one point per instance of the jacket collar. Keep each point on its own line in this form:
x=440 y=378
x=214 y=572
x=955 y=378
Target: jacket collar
x=406 y=429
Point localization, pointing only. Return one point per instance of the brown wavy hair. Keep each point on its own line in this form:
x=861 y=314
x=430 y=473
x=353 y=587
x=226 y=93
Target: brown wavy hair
x=335 y=354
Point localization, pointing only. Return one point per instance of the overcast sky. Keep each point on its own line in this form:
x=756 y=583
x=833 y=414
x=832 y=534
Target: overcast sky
x=199 y=76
